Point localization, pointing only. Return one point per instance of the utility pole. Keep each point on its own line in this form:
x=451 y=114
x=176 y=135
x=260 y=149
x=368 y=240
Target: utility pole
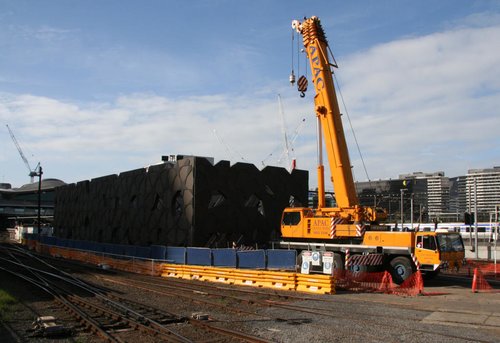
x=39 y=174
x=497 y=209
x=402 y=213
x=475 y=220
x=420 y=213
x=411 y=211
x=469 y=193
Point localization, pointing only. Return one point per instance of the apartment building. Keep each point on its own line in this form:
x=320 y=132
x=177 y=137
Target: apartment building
x=482 y=189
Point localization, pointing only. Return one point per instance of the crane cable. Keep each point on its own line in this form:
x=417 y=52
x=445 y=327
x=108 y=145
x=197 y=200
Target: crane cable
x=292 y=74
x=350 y=125
x=228 y=150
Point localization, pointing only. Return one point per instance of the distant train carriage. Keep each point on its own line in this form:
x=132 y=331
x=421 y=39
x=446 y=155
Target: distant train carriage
x=486 y=230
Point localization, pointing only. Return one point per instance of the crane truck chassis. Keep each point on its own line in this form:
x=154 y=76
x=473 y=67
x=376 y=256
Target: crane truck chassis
x=350 y=235
x=377 y=249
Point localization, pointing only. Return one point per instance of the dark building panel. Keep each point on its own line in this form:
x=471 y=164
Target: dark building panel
x=188 y=203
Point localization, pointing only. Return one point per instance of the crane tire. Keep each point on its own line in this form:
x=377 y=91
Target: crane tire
x=401 y=268
x=338 y=262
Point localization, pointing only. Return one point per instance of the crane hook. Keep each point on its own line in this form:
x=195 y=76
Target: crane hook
x=302 y=86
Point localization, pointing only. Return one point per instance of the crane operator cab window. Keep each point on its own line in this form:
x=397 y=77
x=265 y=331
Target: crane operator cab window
x=426 y=242
x=291 y=218
x=450 y=243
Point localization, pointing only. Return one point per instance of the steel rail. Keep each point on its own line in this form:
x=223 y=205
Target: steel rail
x=90 y=323
x=158 y=327
x=68 y=301
x=228 y=332
x=156 y=331
x=321 y=312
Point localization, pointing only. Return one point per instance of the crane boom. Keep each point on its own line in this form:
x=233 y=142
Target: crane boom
x=328 y=113
x=349 y=219
x=349 y=235
x=19 y=148
x=25 y=160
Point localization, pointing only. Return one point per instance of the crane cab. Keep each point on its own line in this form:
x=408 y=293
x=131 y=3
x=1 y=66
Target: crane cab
x=305 y=223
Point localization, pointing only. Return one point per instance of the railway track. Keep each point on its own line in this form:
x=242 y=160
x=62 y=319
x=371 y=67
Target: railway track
x=320 y=307
x=112 y=318
x=250 y=309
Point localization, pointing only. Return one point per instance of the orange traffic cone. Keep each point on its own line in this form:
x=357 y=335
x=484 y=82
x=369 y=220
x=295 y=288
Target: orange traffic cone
x=474 y=281
x=386 y=283
x=420 y=282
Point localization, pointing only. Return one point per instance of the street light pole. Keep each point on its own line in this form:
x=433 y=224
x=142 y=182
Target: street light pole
x=402 y=213
x=39 y=174
x=497 y=209
x=475 y=221
x=411 y=211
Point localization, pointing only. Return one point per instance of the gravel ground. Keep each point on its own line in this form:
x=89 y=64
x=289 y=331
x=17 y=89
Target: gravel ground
x=457 y=315
x=16 y=322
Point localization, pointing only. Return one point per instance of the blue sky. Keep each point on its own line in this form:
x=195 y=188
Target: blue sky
x=92 y=88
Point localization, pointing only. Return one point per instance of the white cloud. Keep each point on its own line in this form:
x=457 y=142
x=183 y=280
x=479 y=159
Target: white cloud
x=427 y=103
x=418 y=104
x=136 y=130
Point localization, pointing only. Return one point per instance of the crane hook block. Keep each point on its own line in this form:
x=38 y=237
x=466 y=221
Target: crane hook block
x=297 y=26
x=292 y=78
x=302 y=85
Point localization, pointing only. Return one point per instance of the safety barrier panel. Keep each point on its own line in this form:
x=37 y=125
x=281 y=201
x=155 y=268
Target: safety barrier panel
x=479 y=283
x=170 y=270
x=316 y=283
x=176 y=255
x=279 y=280
x=247 y=277
x=252 y=259
x=199 y=256
x=104 y=260
x=144 y=252
x=365 y=282
x=412 y=286
x=282 y=259
x=312 y=283
x=225 y=258
x=489 y=269
x=276 y=259
x=158 y=252
x=379 y=282
x=256 y=278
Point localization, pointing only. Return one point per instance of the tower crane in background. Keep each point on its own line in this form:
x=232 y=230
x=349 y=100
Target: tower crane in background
x=32 y=172
x=286 y=151
x=287 y=154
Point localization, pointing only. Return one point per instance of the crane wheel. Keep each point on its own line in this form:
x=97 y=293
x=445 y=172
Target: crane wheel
x=401 y=268
x=338 y=262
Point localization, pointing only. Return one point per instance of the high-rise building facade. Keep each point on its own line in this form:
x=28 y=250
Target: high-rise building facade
x=391 y=194
x=483 y=191
x=435 y=196
x=458 y=194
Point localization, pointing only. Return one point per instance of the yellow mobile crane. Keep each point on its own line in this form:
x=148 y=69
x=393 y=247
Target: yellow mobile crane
x=349 y=235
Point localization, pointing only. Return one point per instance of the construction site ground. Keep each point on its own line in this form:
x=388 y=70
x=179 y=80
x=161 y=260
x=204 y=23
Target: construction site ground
x=449 y=312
